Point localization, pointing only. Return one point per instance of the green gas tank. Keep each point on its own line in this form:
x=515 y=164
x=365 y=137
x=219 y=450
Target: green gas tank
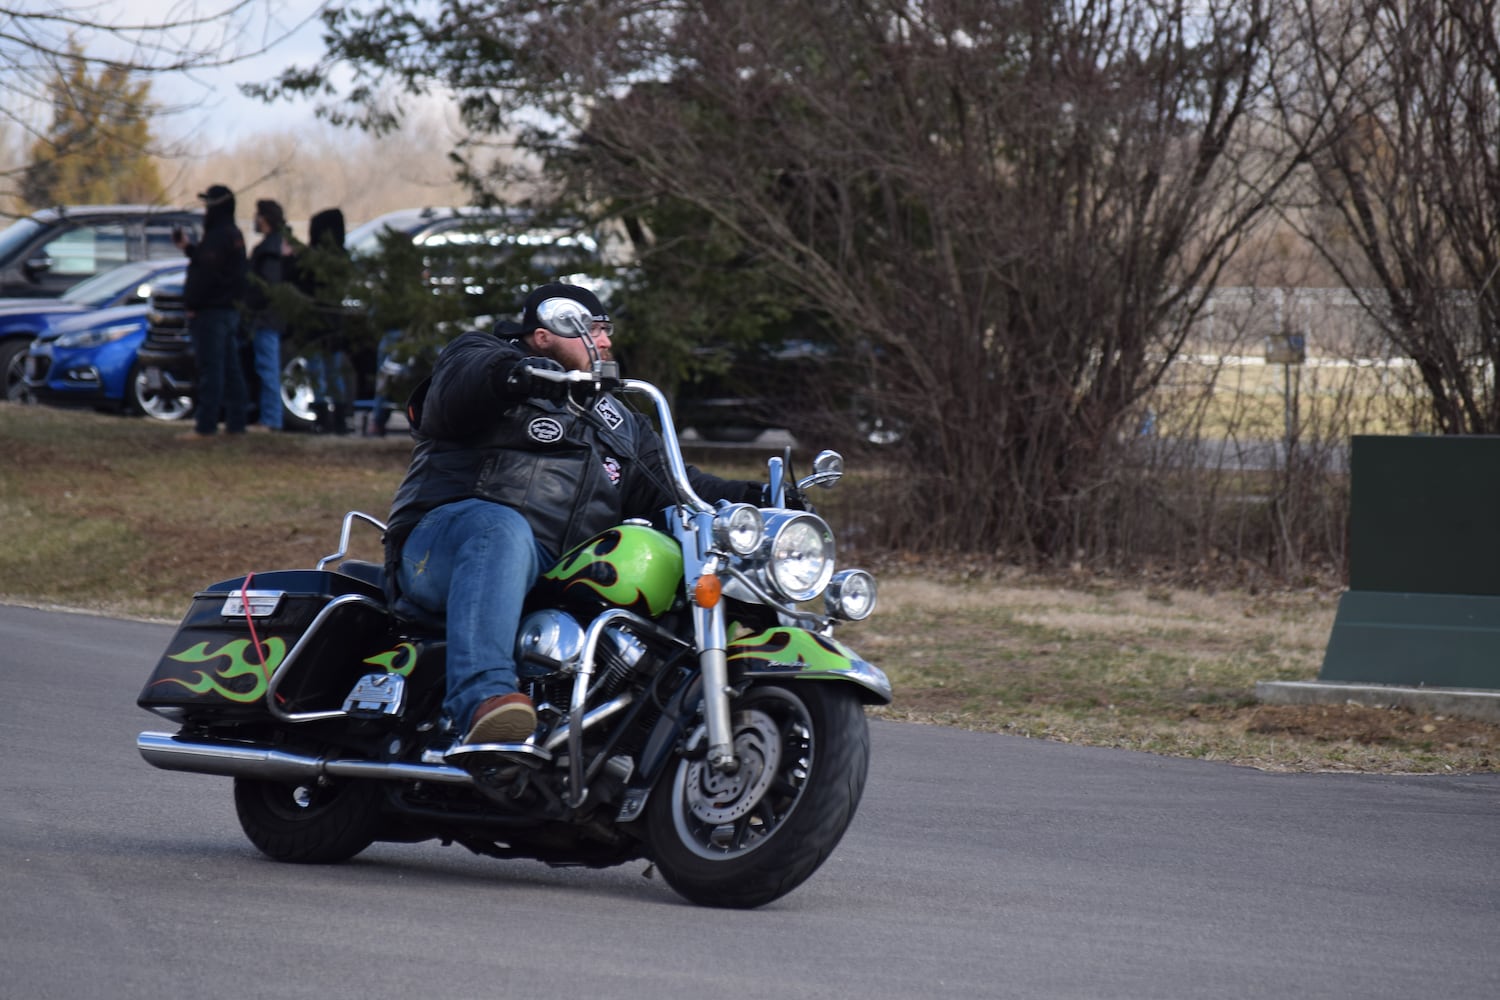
x=632 y=566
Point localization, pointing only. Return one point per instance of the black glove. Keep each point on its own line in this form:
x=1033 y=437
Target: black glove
x=520 y=380
x=795 y=498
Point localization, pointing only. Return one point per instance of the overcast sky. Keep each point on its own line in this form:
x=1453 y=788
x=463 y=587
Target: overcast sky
x=207 y=101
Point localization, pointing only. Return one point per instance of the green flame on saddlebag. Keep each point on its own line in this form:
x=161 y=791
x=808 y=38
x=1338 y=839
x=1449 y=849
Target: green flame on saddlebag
x=631 y=566
x=241 y=679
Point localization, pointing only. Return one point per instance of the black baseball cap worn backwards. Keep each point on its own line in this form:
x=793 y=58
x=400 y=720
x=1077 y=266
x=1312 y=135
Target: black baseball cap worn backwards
x=558 y=290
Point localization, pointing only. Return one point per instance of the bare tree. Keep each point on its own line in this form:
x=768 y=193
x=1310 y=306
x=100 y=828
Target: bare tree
x=1012 y=211
x=39 y=48
x=1401 y=114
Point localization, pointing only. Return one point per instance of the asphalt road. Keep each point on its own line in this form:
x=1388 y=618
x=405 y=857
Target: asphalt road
x=979 y=866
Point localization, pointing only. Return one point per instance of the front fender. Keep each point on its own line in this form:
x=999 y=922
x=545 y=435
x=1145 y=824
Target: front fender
x=784 y=651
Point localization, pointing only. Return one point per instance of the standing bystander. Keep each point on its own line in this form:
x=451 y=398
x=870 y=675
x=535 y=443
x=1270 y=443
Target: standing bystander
x=212 y=294
x=268 y=267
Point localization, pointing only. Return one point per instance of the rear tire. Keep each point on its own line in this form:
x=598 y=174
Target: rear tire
x=743 y=840
x=309 y=824
x=12 y=370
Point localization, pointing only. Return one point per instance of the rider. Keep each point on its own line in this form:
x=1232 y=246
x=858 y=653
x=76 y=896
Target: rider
x=507 y=474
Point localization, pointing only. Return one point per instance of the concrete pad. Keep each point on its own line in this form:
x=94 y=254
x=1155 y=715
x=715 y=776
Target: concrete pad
x=1463 y=703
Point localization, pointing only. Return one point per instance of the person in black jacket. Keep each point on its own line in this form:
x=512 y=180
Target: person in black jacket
x=504 y=478
x=268 y=268
x=212 y=293
x=321 y=274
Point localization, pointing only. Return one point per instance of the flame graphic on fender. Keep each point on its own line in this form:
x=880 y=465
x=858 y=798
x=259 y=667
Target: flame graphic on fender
x=239 y=666
x=793 y=647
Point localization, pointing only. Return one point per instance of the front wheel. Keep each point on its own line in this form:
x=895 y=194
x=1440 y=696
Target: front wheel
x=311 y=823
x=744 y=839
x=159 y=403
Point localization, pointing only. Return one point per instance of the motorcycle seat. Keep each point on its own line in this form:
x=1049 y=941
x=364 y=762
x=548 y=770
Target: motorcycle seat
x=372 y=573
x=406 y=612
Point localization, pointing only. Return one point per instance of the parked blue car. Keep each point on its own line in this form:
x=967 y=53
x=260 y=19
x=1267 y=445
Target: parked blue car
x=23 y=320
x=90 y=360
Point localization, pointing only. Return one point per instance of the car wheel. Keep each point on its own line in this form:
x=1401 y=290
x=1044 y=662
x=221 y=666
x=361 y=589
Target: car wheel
x=13 y=366
x=298 y=395
x=158 y=404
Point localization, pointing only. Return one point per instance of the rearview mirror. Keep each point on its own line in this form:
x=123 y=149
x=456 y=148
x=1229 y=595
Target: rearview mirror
x=565 y=317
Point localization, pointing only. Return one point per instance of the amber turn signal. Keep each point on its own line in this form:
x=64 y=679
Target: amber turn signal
x=707 y=590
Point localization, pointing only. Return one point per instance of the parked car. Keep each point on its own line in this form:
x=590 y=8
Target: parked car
x=488 y=258
x=50 y=251
x=90 y=360
x=22 y=320
x=802 y=385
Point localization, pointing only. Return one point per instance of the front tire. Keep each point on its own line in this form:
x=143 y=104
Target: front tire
x=158 y=404
x=311 y=823
x=743 y=840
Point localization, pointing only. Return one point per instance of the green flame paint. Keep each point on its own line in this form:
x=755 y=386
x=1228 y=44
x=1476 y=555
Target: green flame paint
x=793 y=647
x=239 y=666
x=629 y=567
x=391 y=657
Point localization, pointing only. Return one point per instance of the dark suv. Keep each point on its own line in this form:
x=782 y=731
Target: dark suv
x=45 y=254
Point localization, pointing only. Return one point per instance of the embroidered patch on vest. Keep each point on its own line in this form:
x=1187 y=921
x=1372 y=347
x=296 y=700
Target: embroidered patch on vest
x=612 y=416
x=544 y=430
x=612 y=469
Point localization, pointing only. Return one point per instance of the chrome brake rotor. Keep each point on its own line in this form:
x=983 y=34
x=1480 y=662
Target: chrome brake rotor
x=717 y=798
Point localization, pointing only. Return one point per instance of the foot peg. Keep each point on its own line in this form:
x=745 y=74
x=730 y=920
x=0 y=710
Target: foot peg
x=477 y=758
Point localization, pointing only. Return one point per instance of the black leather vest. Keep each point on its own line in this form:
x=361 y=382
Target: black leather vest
x=569 y=473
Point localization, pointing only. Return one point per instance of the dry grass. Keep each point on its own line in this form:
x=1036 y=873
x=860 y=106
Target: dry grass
x=1155 y=668
x=119 y=516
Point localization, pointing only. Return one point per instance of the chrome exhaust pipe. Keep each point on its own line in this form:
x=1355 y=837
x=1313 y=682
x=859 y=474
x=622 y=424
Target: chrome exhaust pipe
x=231 y=760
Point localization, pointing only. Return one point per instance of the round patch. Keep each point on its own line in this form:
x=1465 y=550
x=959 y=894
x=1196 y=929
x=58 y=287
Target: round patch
x=544 y=430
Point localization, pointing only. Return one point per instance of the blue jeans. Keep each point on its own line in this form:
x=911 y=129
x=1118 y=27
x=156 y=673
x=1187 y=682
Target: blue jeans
x=221 y=382
x=473 y=561
x=268 y=370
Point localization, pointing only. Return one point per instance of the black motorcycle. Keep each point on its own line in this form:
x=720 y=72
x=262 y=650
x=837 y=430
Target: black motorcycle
x=691 y=710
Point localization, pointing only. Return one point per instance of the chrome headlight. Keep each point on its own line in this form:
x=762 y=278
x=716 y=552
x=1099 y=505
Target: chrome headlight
x=799 y=554
x=739 y=528
x=94 y=338
x=850 y=595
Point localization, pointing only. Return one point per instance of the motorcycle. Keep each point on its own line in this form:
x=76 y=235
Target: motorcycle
x=692 y=710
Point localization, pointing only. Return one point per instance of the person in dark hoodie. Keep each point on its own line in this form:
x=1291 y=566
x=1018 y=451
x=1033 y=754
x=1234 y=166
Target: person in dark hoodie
x=212 y=294
x=322 y=273
x=269 y=265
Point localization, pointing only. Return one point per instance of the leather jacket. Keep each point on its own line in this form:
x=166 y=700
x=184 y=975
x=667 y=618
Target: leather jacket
x=572 y=475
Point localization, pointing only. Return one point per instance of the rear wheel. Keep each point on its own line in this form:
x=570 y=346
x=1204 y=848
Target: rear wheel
x=310 y=823
x=12 y=368
x=744 y=839
x=298 y=395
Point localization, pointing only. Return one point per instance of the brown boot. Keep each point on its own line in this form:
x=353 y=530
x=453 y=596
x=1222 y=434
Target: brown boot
x=505 y=718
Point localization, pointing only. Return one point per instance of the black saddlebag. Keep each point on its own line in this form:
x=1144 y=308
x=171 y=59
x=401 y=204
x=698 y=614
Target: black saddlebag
x=307 y=636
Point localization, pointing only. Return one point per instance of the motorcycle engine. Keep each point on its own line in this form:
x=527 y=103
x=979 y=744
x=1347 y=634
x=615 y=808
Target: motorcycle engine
x=549 y=648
